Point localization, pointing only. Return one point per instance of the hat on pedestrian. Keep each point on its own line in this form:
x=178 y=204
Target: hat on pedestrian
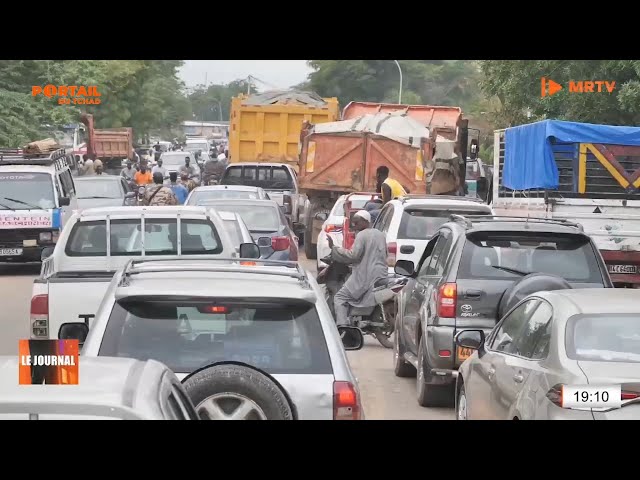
x=363 y=214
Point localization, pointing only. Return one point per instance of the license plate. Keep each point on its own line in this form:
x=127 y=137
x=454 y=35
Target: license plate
x=623 y=269
x=10 y=252
x=464 y=353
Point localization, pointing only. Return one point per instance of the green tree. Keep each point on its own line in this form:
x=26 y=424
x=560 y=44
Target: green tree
x=517 y=86
x=210 y=103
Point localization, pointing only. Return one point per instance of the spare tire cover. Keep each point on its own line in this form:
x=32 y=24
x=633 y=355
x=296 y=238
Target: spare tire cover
x=532 y=283
x=236 y=392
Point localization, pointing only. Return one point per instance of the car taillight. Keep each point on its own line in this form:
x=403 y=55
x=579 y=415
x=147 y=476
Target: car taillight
x=346 y=404
x=447 y=299
x=392 y=250
x=332 y=228
x=280 y=243
x=39 y=316
x=630 y=395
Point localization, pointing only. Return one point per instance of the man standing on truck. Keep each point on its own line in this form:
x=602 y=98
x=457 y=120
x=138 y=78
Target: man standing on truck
x=388 y=187
x=369 y=259
x=444 y=176
x=159 y=195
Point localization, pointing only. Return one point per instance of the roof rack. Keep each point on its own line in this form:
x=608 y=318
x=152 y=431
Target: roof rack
x=419 y=196
x=468 y=220
x=14 y=156
x=232 y=266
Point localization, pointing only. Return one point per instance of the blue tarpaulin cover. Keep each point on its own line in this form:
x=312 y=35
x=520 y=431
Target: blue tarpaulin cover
x=528 y=158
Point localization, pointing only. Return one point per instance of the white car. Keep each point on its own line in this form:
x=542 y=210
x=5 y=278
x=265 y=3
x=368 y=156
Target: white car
x=247 y=341
x=216 y=192
x=333 y=225
x=409 y=222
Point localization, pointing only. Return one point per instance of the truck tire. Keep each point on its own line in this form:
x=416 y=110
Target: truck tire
x=310 y=248
x=237 y=392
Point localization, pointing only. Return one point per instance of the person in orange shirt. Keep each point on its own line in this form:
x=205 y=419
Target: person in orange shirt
x=143 y=176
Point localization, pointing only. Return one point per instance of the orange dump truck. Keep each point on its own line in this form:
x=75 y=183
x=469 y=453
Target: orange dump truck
x=110 y=145
x=441 y=121
x=342 y=157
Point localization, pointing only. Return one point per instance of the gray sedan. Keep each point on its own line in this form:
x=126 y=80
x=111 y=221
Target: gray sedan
x=103 y=191
x=268 y=226
x=553 y=343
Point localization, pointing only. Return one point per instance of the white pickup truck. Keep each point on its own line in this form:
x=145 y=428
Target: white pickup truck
x=98 y=241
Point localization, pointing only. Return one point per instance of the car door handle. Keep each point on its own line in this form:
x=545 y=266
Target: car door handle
x=472 y=293
x=518 y=378
x=492 y=372
x=407 y=249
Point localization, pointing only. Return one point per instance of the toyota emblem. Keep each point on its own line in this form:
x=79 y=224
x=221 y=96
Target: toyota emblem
x=466 y=308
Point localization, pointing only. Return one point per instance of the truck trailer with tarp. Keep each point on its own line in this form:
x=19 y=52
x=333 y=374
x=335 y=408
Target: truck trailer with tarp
x=584 y=173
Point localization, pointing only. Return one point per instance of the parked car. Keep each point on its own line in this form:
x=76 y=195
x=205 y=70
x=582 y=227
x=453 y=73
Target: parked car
x=267 y=224
x=409 y=222
x=97 y=241
x=472 y=271
x=279 y=180
x=108 y=389
x=248 y=342
x=333 y=225
x=103 y=191
x=548 y=342
x=235 y=192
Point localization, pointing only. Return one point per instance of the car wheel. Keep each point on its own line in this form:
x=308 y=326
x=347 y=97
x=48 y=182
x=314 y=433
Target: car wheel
x=429 y=395
x=236 y=392
x=461 y=404
x=401 y=368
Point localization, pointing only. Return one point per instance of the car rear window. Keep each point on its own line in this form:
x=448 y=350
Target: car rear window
x=423 y=223
x=269 y=178
x=280 y=336
x=604 y=337
x=197 y=197
x=569 y=256
x=258 y=218
x=89 y=239
x=233 y=229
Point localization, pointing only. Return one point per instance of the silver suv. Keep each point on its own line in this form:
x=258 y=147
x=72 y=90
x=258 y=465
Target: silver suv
x=250 y=341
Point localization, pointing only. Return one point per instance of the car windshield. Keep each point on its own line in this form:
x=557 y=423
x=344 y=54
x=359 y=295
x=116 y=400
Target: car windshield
x=198 y=237
x=269 y=178
x=194 y=147
x=280 y=336
x=422 y=224
x=26 y=191
x=604 y=337
x=96 y=188
x=569 y=256
x=176 y=159
x=258 y=218
x=199 y=196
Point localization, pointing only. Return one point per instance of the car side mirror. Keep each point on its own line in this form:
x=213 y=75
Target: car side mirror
x=322 y=216
x=473 y=339
x=46 y=253
x=352 y=338
x=129 y=194
x=264 y=242
x=406 y=268
x=64 y=201
x=249 y=250
x=73 y=331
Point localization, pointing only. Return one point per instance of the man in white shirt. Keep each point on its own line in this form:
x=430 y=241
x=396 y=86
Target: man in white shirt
x=159 y=168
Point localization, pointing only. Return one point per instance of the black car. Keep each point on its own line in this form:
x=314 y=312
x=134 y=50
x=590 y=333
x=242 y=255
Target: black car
x=466 y=279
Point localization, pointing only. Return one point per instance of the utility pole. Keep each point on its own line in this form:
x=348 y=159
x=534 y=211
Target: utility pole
x=400 y=89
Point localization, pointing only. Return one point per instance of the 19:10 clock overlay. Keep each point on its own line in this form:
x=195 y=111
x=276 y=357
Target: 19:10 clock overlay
x=591 y=396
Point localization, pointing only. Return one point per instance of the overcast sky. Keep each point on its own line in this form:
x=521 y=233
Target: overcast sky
x=277 y=73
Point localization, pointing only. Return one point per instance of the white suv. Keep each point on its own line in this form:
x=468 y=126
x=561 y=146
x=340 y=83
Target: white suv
x=409 y=222
x=248 y=342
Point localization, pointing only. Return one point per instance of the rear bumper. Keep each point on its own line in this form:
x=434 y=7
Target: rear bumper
x=620 y=257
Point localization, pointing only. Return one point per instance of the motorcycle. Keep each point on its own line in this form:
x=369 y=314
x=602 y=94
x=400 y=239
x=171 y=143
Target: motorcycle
x=378 y=320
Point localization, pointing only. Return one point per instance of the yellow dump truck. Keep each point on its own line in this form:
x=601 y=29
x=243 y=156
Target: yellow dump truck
x=266 y=127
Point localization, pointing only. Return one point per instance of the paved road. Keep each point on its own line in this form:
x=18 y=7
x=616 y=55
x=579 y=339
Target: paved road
x=384 y=396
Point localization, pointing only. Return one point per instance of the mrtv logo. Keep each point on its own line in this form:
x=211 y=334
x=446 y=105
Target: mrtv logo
x=548 y=87
x=51 y=362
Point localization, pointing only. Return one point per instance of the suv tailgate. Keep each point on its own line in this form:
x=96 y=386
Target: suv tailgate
x=73 y=296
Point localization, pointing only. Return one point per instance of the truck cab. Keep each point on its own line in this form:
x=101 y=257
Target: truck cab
x=37 y=196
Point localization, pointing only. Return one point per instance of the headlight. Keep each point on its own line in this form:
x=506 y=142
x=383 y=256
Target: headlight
x=45 y=237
